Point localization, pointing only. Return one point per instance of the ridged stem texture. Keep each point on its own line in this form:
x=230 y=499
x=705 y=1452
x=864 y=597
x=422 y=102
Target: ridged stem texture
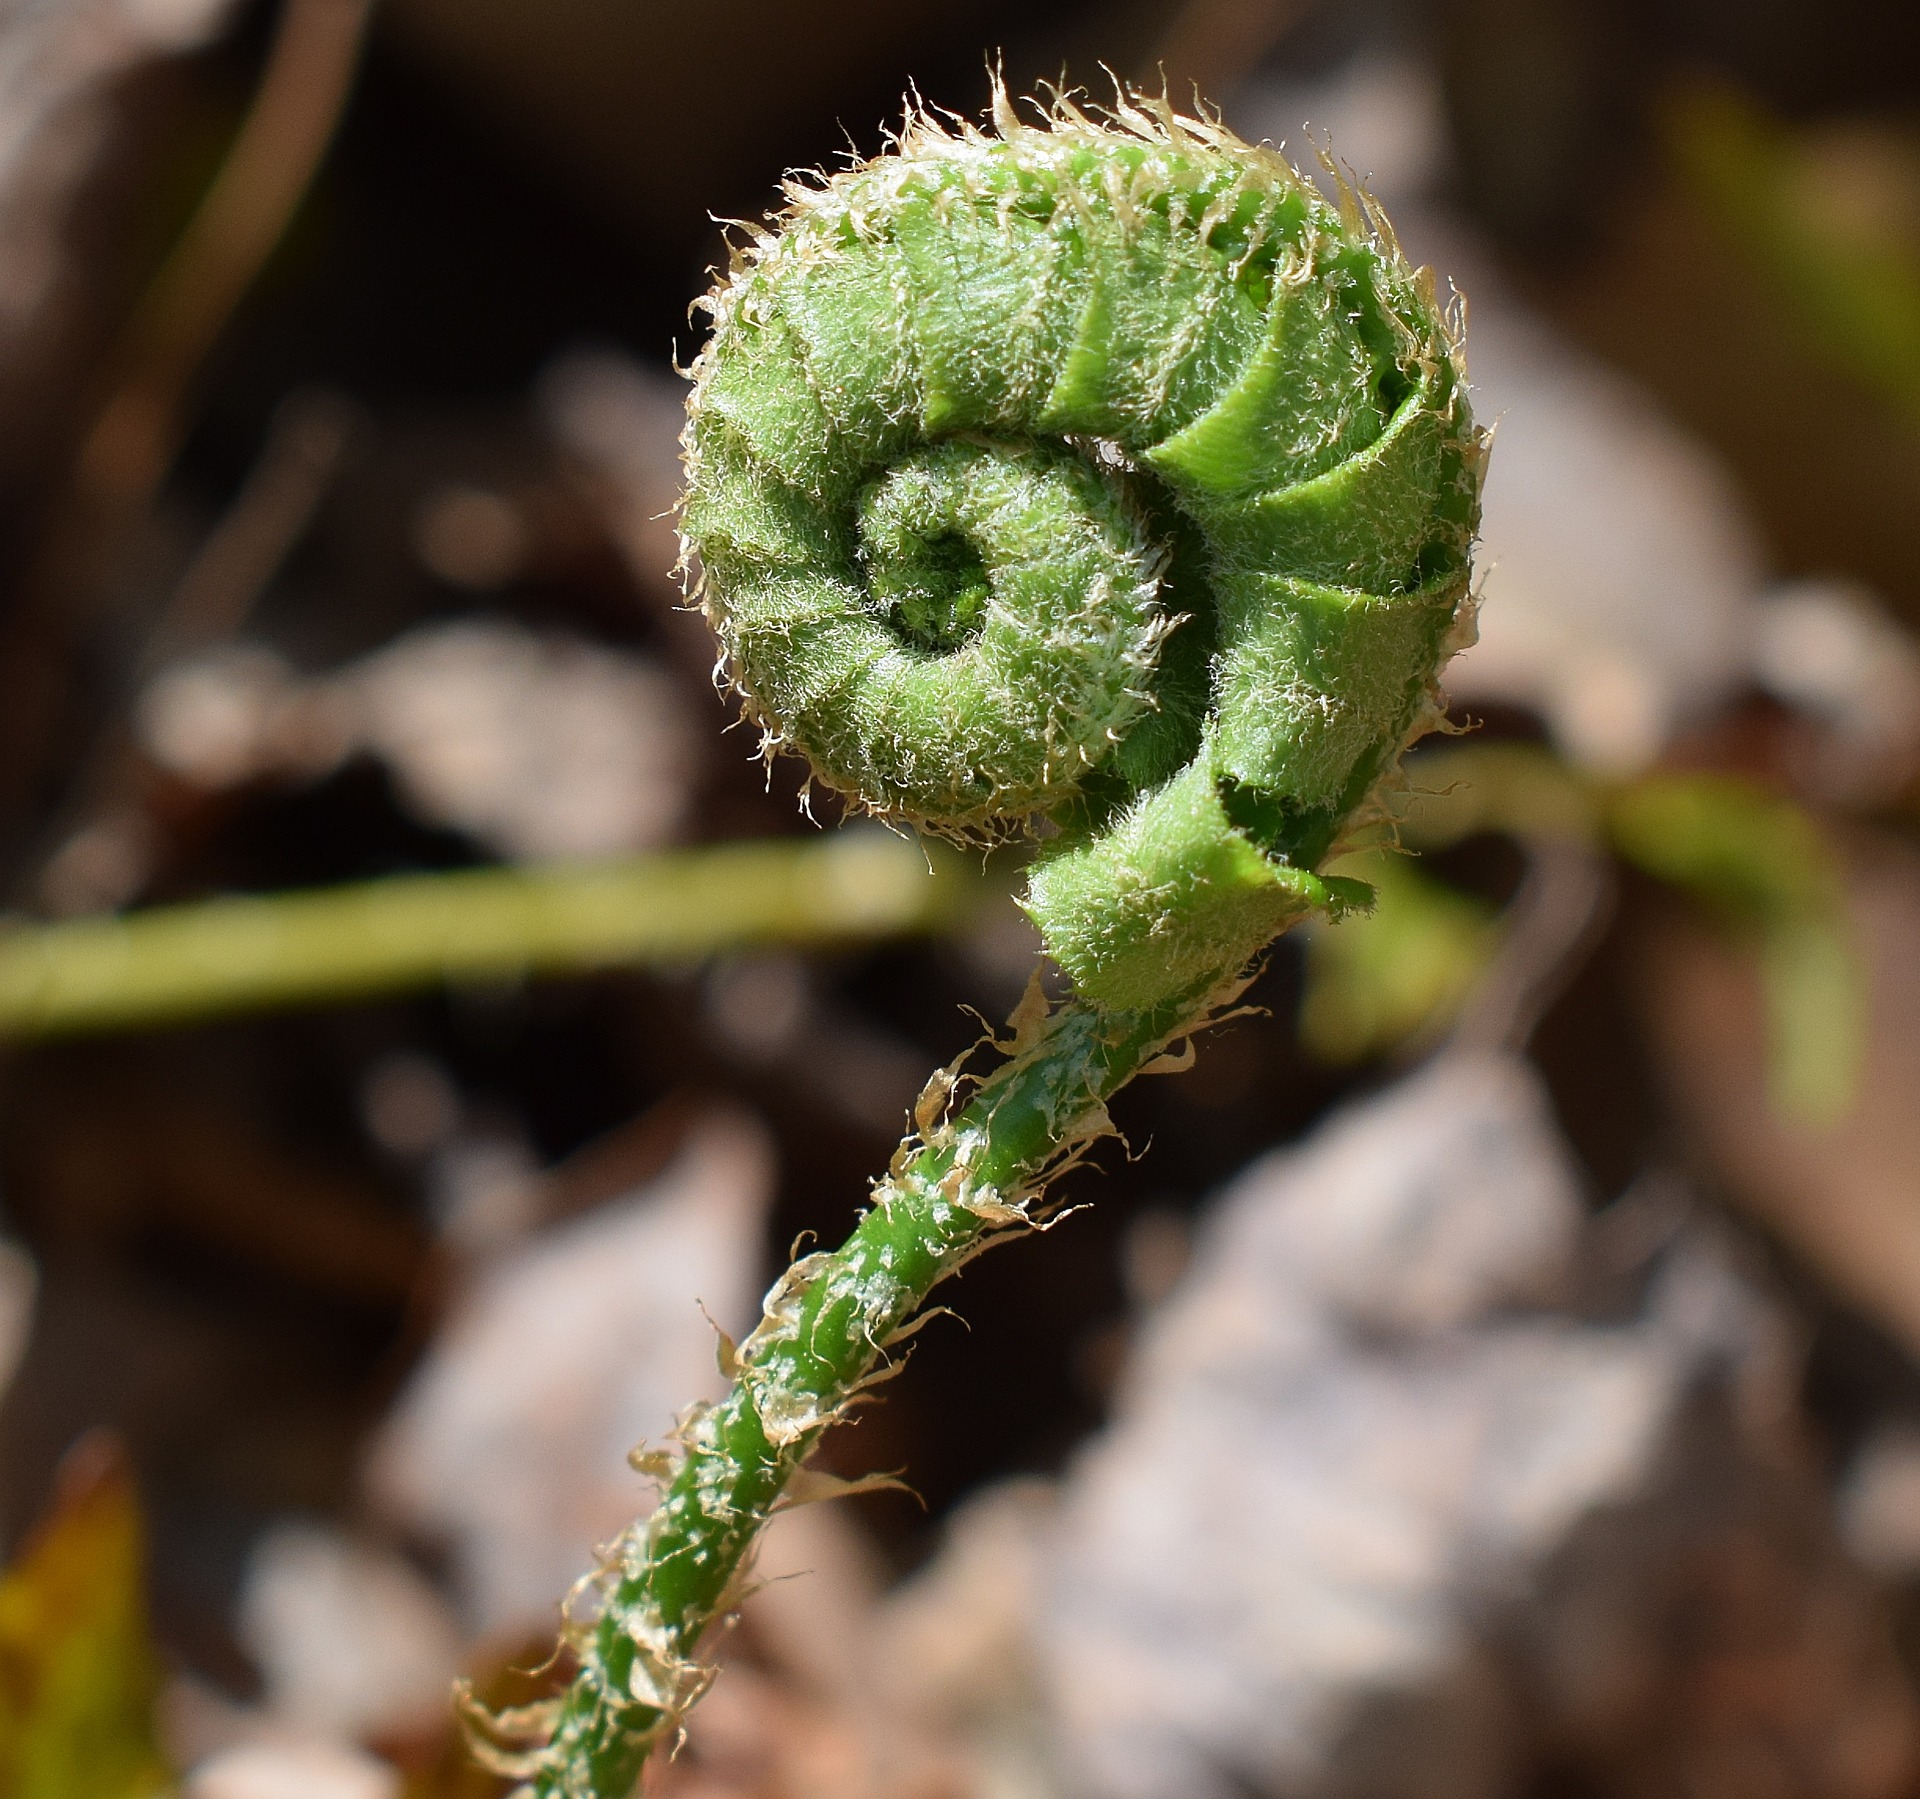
x=830 y=1324
x=1090 y=475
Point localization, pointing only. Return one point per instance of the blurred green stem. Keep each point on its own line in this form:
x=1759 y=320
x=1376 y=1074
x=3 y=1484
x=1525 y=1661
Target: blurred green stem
x=177 y=963
x=1842 y=266
x=1754 y=858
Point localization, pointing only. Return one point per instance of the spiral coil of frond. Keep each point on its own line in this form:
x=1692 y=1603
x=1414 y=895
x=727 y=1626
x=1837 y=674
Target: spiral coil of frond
x=1099 y=472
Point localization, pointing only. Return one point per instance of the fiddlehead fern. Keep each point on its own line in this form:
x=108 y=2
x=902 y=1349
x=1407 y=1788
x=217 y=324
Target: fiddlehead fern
x=1099 y=472
x=1093 y=474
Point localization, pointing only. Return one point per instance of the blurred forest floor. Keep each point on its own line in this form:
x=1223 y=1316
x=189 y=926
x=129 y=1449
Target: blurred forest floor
x=336 y=354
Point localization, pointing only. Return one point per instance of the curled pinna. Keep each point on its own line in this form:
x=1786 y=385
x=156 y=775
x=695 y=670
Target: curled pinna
x=1094 y=472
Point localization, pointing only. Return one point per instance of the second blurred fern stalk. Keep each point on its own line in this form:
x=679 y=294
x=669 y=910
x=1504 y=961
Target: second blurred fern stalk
x=1754 y=858
x=248 y=954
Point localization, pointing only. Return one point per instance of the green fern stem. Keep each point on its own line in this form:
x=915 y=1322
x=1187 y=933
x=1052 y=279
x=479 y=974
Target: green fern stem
x=828 y=1329
x=1096 y=479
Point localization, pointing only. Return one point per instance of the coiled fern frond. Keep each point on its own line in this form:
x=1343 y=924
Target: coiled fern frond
x=1093 y=471
x=1088 y=476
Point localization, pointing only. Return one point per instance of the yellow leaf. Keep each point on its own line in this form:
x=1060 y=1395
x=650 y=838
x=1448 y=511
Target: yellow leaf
x=78 y=1673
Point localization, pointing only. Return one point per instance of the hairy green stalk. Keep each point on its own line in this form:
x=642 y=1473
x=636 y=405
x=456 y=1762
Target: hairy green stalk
x=829 y=1327
x=1094 y=476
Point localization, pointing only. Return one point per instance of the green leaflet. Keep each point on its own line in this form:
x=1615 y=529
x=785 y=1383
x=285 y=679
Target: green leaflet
x=1100 y=473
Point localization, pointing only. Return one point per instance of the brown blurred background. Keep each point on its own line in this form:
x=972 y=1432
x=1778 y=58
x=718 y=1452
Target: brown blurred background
x=332 y=547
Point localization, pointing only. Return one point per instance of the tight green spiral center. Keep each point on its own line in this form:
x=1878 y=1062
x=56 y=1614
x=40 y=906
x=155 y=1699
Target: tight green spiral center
x=1098 y=472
